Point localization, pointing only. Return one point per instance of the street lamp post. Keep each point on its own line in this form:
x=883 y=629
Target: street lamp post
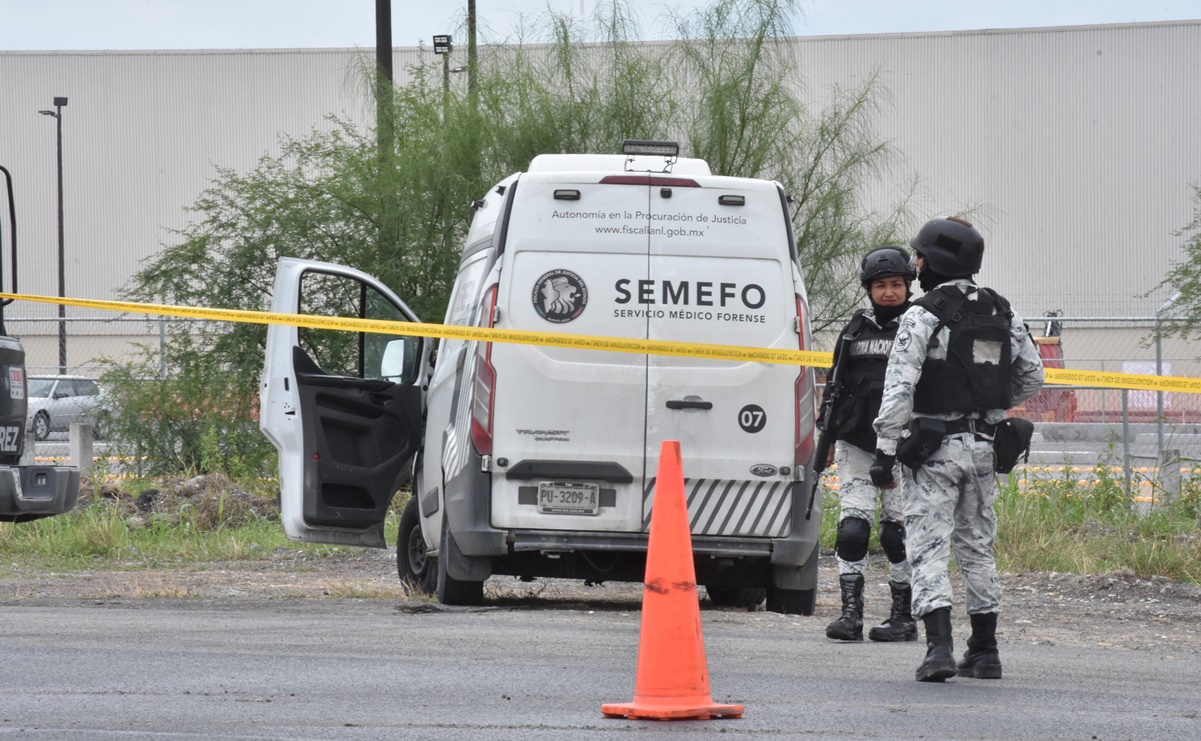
x=443 y=46
x=57 y=113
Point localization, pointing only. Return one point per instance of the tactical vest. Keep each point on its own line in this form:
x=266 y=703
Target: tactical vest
x=865 y=352
x=975 y=375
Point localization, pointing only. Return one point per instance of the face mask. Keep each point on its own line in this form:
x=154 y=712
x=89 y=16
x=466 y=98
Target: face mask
x=928 y=279
x=885 y=314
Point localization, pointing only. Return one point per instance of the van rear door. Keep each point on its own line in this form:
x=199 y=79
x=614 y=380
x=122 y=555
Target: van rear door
x=567 y=416
x=343 y=409
x=721 y=272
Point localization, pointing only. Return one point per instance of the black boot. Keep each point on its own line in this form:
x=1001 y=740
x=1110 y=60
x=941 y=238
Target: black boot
x=899 y=626
x=849 y=627
x=982 y=660
x=939 y=663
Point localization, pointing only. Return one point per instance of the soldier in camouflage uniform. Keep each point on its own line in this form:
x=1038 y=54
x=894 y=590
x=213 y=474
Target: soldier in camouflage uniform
x=951 y=380
x=860 y=357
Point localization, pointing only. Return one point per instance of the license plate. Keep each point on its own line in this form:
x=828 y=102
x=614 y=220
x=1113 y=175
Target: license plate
x=568 y=498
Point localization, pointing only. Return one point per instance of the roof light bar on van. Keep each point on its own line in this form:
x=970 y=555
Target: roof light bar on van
x=651 y=148
x=649 y=180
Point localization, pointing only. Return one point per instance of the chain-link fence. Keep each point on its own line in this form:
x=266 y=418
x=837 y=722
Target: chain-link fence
x=1145 y=437
x=82 y=345
x=1151 y=441
x=64 y=360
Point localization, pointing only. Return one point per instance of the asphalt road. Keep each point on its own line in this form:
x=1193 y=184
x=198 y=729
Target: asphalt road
x=375 y=669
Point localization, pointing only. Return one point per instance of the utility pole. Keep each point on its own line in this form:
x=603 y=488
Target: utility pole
x=383 y=75
x=471 y=59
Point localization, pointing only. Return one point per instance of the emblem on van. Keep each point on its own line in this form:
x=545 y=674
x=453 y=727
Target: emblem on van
x=763 y=469
x=559 y=296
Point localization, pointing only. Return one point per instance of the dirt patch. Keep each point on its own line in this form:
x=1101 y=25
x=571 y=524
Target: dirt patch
x=1112 y=610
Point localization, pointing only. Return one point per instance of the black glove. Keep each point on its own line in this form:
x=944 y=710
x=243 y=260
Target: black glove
x=881 y=470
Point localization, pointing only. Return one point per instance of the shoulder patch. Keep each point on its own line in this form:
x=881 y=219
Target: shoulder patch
x=901 y=344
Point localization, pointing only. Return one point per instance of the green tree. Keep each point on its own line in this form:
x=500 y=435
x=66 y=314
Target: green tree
x=727 y=89
x=1185 y=277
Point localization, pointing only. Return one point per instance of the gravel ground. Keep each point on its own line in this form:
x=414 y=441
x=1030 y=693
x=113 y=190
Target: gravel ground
x=1112 y=610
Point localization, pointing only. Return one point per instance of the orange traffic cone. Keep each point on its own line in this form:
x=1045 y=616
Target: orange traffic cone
x=672 y=681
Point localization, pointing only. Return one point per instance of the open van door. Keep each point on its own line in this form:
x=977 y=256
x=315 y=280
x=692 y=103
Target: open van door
x=344 y=409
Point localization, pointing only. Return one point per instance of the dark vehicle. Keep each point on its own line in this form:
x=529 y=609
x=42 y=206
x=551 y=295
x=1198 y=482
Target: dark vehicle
x=27 y=492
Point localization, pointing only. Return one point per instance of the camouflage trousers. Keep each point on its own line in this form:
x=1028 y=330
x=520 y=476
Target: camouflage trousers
x=859 y=497
x=949 y=506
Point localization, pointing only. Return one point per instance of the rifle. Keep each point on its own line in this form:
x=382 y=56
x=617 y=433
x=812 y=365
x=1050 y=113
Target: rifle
x=825 y=436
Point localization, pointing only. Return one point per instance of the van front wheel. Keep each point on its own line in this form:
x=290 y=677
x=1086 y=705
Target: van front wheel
x=452 y=591
x=414 y=566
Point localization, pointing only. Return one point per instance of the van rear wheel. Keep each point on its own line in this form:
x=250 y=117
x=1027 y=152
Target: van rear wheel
x=796 y=601
x=452 y=591
x=727 y=596
x=791 y=601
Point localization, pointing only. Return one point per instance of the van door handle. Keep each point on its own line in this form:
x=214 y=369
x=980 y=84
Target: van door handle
x=689 y=404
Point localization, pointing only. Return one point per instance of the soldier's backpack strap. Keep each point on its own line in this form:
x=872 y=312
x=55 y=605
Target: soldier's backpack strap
x=944 y=303
x=1000 y=302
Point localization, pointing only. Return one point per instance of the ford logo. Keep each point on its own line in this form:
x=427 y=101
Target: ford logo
x=763 y=469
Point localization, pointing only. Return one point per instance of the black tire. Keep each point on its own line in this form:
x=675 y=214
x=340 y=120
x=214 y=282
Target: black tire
x=791 y=601
x=797 y=601
x=451 y=591
x=41 y=426
x=727 y=596
x=416 y=569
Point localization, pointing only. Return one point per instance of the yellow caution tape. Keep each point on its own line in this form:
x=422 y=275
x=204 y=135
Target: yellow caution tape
x=1124 y=380
x=810 y=358
x=381 y=326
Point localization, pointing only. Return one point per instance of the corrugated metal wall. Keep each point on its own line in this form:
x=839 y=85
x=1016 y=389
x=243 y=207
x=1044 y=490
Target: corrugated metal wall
x=1075 y=147
x=143 y=134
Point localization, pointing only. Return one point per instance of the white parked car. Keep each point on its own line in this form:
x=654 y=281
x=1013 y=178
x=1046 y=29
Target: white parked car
x=57 y=401
x=540 y=461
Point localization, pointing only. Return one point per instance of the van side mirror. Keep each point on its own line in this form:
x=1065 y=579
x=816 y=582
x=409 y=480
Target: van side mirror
x=397 y=363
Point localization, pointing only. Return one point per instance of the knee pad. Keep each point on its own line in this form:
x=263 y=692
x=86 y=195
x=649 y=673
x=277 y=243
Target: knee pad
x=892 y=540
x=853 y=533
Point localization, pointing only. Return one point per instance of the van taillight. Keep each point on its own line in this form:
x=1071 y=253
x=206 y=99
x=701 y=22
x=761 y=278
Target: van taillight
x=484 y=385
x=803 y=395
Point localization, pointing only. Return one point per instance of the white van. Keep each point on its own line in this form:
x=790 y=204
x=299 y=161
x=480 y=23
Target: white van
x=538 y=460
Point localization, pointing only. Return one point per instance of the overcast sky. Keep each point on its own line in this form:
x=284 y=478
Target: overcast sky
x=263 y=24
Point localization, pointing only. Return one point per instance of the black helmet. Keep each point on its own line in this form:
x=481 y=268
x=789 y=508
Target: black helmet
x=886 y=261
x=951 y=246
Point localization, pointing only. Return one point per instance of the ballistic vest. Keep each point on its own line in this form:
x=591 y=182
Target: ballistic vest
x=976 y=372
x=865 y=352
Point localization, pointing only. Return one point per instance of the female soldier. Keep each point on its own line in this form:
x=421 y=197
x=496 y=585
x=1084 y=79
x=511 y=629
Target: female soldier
x=860 y=358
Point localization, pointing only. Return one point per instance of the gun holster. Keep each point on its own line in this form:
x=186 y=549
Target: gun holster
x=925 y=437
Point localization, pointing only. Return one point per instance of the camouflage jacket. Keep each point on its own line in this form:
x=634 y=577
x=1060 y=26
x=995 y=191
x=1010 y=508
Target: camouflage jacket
x=909 y=352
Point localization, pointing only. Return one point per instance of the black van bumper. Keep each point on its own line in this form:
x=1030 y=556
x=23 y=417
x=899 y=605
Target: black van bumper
x=793 y=557
x=30 y=492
